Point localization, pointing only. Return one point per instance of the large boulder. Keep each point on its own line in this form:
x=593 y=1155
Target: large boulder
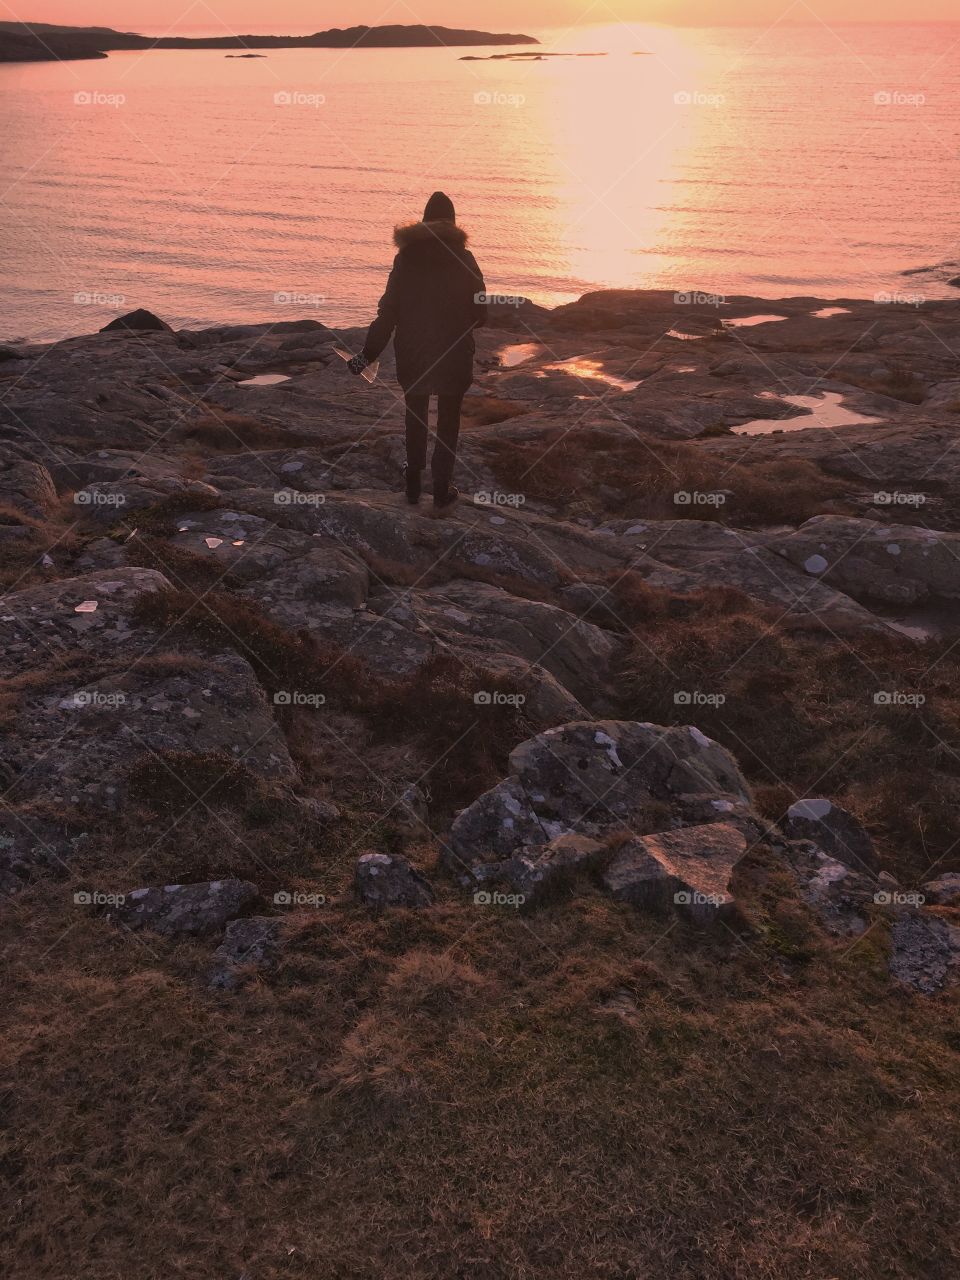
x=184 y=909
x=595 y=777
x=690 y=869
x=896 y=563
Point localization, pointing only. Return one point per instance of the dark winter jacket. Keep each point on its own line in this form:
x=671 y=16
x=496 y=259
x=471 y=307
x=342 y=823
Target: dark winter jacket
x=430 y=308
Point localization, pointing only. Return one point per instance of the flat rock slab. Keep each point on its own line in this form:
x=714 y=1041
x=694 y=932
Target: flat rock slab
x=896 y=563
x=185 y=909
x=944 y=891
x=689 y=869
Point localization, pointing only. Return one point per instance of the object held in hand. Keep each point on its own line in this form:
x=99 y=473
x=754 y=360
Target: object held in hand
x=359 y=365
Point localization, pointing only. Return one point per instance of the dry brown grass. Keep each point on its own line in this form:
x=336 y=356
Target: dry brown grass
x=800 y=710
x=590 y=469
x=458 y=1092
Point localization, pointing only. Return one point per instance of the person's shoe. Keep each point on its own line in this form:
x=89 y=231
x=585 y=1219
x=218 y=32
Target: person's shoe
x=412 y=484
x=446 y=497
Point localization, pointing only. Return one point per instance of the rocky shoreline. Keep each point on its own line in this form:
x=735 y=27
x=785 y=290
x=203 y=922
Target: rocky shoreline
x=180 y=506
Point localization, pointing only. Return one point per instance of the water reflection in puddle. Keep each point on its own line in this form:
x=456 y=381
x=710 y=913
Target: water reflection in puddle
x=517 y=353
x=593 y=370
x=825 y=312
x=822 y=411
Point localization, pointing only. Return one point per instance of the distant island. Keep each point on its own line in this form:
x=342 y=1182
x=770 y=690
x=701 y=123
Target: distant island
x=43 y=42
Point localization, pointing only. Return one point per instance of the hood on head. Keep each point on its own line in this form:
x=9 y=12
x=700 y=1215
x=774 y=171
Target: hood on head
x=430 y=233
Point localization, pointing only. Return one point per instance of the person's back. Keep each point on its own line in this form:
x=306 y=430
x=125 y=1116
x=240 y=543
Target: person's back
x=431 y=307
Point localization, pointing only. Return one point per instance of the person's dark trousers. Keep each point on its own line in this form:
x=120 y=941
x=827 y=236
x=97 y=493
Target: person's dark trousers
x=448 y=433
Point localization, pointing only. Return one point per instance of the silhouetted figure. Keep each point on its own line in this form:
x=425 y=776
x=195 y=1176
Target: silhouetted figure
x=431 y=309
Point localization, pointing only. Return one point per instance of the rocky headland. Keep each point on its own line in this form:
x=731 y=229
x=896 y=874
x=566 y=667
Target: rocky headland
x=644 y=758
x=44 y=42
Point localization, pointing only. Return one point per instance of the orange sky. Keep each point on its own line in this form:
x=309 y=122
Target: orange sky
x=502 y=15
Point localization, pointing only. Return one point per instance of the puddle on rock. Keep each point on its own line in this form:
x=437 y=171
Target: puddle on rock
x=823 y=411
x=747 y=322
x=687 y=337
x=86 y=606
x=825 y=312
x=265 y=380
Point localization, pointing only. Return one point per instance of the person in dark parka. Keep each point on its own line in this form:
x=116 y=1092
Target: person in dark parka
x=431 y=306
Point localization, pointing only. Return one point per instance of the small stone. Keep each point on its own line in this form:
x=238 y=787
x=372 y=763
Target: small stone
x=387 y=880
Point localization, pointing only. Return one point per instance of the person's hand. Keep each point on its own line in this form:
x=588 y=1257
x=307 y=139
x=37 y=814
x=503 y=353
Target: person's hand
x=357 y=365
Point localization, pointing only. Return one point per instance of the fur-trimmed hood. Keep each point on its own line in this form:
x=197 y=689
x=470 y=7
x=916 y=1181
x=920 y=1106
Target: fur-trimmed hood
x=430 y=233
